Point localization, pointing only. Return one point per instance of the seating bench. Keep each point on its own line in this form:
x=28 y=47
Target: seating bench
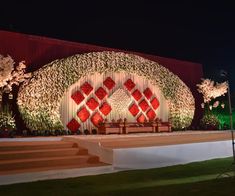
x=110 y=127
x=163 y=126
x=120 y=127
x=135 y=127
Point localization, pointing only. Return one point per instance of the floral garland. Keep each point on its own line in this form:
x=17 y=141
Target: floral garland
x=39 y=99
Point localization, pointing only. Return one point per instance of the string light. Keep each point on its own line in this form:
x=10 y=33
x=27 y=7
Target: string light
x=10 y=96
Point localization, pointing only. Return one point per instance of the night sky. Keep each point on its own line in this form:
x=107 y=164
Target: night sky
x=203 y=33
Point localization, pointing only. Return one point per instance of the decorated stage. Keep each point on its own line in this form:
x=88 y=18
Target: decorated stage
x=84 y=91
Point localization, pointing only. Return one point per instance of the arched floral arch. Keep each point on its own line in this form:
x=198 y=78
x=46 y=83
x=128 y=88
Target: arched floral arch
x=39 y=99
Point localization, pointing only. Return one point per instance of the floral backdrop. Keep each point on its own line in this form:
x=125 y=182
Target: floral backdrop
x=39 y=99
x=113 y=96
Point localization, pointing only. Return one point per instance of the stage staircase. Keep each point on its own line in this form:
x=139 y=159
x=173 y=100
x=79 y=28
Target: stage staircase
x=18 y=157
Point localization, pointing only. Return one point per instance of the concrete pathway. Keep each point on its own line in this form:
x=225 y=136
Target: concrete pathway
x=56 y=174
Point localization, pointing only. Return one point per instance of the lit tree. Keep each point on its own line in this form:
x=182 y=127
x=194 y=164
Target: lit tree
x=10 y=75
x=211 y=90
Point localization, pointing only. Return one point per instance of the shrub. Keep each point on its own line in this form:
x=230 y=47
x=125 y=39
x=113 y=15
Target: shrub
x=7 y=121
x=210 y=122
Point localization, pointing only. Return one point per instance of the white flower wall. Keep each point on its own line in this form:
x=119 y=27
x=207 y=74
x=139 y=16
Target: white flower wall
x=39 y=99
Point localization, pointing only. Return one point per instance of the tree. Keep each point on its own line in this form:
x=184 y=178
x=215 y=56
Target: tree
x=10 y=75
x=210 y=90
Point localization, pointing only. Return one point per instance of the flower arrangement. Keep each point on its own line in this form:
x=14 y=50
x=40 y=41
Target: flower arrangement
x=86 y=88
x=109 y=83
x=119 y=101
x=7 y=121
x=39 y=99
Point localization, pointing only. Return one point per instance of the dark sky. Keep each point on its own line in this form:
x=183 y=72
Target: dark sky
x=187 y=30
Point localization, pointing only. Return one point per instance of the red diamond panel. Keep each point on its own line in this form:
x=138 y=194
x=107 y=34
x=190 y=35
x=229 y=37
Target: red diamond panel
x=77 y=97
x=134 y=110
x=129 y=84
x=144 y=105
x=109 y=83
x=86 y=88
x=83 y=114
x=100 y=93
x=96 y=119
x=73 y=125
x=148 y=93
x=92 y=103
x=137 y=95
x=141 y=118
x=151 y=114
x=155 y=103
x=105 y=108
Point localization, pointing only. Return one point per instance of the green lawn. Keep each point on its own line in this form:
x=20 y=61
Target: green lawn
x=191 y=179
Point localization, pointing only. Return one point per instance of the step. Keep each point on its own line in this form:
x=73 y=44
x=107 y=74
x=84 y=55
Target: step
x=29 y=154
x=43 y=169
x=47 y=162
x=15 y=146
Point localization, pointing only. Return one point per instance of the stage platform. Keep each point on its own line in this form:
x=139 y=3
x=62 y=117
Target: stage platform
x=151 y=150
x=131 y=151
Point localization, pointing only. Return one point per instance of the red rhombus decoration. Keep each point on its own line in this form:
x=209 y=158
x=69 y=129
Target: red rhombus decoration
x=141 y=118
x=86 y=88
x=77 y=97
x=148 y=93
x=73 y=125
x=137 y=95
x=83 y=114
x=144 y=105
x=129 y=84
x=100 y=93
x=134 y=110
x=96 y=119
x=92 y=103
x=155 y=103
x=151 y=114
x=105 y=108
x=109 y=83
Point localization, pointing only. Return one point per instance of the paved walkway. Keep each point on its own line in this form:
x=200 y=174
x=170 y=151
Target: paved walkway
x=56 y=174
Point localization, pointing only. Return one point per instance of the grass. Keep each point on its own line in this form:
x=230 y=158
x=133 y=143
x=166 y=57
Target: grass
x=190 y=179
